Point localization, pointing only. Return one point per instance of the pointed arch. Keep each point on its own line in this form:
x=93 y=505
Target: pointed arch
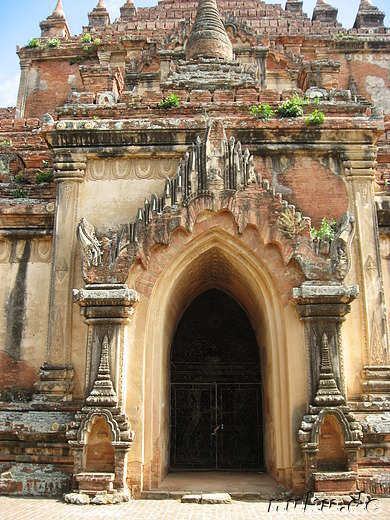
x=216 y=256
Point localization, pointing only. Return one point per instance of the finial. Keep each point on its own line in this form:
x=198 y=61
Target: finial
x=365 y=3
x=294 y=6
x=101 y=5
x=103 y=393
x=208 y=38
x=59 y=10
x=328 y=393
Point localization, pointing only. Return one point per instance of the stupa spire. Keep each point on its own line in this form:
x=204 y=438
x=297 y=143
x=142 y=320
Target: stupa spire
x=55 y=25
x=103 y=393
x=128 y=10
x=208 y=38
x=324 y=12
x=369 y=17
x=294 y=6
x=328 y=393
x=99 y=17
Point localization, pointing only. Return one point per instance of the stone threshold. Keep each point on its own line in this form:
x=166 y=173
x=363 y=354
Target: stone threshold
x=198 y=497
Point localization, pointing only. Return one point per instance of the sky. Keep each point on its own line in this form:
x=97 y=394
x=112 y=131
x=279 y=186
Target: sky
x=19 y=22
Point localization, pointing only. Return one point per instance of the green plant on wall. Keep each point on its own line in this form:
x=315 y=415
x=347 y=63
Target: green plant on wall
x=19 y=179
x=262 y=111
x=327 y=230
x=15 y=394
x=19 y=193
x=316 y=118
x=33 y=43
x=171 y=101
x=87 y=38
x=55 y=42
x=43 y=177
x=292 y=107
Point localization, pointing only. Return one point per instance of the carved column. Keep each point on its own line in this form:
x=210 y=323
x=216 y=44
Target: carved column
x=360 y=168
x=107 y=310
x=323 y=308
x=261 y=54
x=25 y=66
x=57 y=372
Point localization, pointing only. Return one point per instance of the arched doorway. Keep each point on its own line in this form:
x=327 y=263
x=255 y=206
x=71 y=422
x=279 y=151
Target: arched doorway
x=216 y=393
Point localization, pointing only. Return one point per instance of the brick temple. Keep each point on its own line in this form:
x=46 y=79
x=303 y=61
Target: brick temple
x=194 y=250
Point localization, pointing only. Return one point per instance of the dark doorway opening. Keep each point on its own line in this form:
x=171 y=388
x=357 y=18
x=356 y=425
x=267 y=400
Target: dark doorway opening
x=216 y=397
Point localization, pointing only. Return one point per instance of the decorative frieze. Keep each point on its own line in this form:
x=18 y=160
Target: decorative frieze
x=13 y=251
x=130 y=169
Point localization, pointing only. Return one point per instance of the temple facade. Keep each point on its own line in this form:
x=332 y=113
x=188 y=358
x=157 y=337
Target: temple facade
x=194 y=250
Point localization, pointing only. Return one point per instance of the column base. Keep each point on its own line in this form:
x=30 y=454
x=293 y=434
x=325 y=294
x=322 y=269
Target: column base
x=376 y=384
x=55 y=385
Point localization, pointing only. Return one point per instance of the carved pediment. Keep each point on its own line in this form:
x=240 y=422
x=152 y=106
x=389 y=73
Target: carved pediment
x=215 y=175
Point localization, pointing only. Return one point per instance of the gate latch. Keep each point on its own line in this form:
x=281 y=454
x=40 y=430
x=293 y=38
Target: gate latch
x=216 y=429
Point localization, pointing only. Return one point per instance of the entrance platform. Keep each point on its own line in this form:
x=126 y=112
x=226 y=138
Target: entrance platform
x=239 y=485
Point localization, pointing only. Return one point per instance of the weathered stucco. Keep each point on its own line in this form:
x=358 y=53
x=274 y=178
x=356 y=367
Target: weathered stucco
x=122 y=203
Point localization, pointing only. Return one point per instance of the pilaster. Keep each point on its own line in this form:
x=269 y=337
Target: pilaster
x=57 y=372
x=323 y=308
x=25 y=66
x=360 y=165
x=107 y=310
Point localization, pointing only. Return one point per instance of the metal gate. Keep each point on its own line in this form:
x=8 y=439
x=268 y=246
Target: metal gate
x=216 y=426
x=216 y=397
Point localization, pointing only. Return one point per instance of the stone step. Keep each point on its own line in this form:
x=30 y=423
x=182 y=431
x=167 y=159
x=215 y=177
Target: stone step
x=207 y=498
x=200 y=497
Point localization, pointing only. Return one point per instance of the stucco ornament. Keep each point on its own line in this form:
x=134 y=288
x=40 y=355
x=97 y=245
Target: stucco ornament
x=90 y=245
x=340 y=251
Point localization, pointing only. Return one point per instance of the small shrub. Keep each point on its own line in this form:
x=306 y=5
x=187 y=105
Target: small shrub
x=15 y=394
x=53 y=43
x=291 y=223
x=33 y=43
x=19 y=193
x=97 y=42
x=43 y=177
x=78 y=59
x=19 y=179
x=327 y=231
x=262 y=111
x=315 y=118
x=87 y=38
x=6 y=142
x=292 y=107
x=171 y=101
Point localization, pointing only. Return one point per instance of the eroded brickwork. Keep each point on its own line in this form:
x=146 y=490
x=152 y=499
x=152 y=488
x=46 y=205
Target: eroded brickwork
x=132 y=163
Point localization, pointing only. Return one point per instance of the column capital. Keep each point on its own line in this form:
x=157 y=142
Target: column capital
x=106 y=303
x=69 y=165
x=313 y=295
